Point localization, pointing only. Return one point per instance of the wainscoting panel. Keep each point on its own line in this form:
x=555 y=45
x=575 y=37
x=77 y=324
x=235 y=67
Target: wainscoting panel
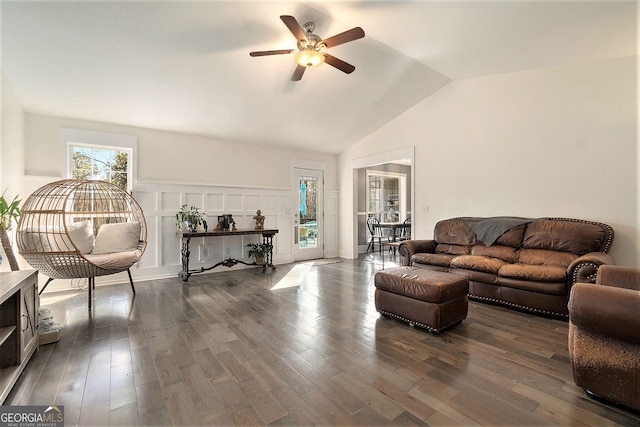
x=286 y=204
x=148 y=201
x=331 y=224
x=215 y=202
x=233 y=203
x=252 y=202
x=270 y=203
x=285 y=236
x=169 y=200
x=151 y=255
x=169 y=242
x=160 y=203
x=194 y=199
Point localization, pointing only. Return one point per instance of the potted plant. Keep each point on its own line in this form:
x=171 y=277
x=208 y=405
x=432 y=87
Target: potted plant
x=9 y=212
x=259 y=251
x=190 y=218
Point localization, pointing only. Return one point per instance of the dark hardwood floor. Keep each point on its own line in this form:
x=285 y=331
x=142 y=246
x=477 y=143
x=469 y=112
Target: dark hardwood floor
x=298 y=346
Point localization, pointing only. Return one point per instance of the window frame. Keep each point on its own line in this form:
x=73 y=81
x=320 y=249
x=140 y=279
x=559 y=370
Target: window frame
x=70 y=138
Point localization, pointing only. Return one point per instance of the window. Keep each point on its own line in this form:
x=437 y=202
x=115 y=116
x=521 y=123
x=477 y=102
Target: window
x=386 y=196
x=100 y=156
x=308 y=228
x=104 y=164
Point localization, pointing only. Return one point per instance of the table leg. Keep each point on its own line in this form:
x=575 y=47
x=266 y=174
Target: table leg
x=184 y=251
x=269 y=239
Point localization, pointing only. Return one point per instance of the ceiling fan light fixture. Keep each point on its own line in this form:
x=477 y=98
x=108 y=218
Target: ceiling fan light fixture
x=311 y=47
x=309 y=58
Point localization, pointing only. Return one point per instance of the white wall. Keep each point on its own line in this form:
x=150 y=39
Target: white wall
x=553 y=142
x=12 y=149
x=12 y=158
x=177 y=158
x=217 y=176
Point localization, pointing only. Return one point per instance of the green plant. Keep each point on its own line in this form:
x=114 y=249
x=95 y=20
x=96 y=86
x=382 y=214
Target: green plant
x=9 y=212
x=192 y=216
x=259 y=251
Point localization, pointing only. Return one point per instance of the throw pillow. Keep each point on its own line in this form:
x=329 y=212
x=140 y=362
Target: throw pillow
x=81 y=234
x=117 y=237
x=33 y=241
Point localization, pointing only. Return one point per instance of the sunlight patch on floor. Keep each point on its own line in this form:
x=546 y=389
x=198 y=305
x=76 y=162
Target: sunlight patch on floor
x=54 y=297
x=293 y=278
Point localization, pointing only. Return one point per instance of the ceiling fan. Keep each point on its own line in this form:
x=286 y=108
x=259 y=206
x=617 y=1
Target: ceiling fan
x=311 y=48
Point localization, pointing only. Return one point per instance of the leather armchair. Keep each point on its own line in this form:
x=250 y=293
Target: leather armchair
x=604 y=335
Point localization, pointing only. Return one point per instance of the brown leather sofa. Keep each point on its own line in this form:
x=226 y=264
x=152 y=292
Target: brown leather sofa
x=604 y=335
x=525 y=263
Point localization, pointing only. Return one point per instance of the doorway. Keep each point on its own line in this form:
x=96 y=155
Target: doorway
x=357 y=241
x=308 y=226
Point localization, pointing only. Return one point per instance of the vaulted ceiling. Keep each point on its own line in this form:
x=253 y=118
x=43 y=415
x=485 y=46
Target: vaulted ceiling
x=185 y=66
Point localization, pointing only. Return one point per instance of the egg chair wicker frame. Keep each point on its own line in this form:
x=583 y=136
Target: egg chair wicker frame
x=48 y=215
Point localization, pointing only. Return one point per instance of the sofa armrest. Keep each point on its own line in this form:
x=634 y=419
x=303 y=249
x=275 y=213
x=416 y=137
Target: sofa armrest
x=606 y=311
x=585 y=268
x=409 y=247
x=619 y=276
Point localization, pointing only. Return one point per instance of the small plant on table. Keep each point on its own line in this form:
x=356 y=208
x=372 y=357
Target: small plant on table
x=192 y=217
x=259 y=251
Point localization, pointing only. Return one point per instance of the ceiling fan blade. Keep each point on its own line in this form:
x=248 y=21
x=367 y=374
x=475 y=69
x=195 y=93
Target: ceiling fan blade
x=349 y=35
x=271 y=52
x=338 y=63
x=294 y=27
x=297 y=74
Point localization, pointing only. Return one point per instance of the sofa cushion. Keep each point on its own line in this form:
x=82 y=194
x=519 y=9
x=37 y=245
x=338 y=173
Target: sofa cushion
x=567 y=236
x=453 y=232
x=453 y=249
x=543 y=257
x=33 y=241
x=115 y=260
x=478 y=263
x=512 y=237
x=539 y=288
x=538 y=273
x=476 y=276
x=505 y=253
x=442 y=260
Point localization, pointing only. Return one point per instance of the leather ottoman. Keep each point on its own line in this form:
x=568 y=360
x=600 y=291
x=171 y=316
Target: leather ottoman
x=434 y=300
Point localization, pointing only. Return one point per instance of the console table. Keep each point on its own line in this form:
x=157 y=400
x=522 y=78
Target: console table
x=267 y=237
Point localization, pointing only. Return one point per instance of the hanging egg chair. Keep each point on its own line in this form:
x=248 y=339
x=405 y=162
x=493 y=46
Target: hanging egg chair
x=72 y=229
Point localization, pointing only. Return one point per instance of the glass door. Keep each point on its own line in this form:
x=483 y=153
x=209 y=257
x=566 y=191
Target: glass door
x=307 y=233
